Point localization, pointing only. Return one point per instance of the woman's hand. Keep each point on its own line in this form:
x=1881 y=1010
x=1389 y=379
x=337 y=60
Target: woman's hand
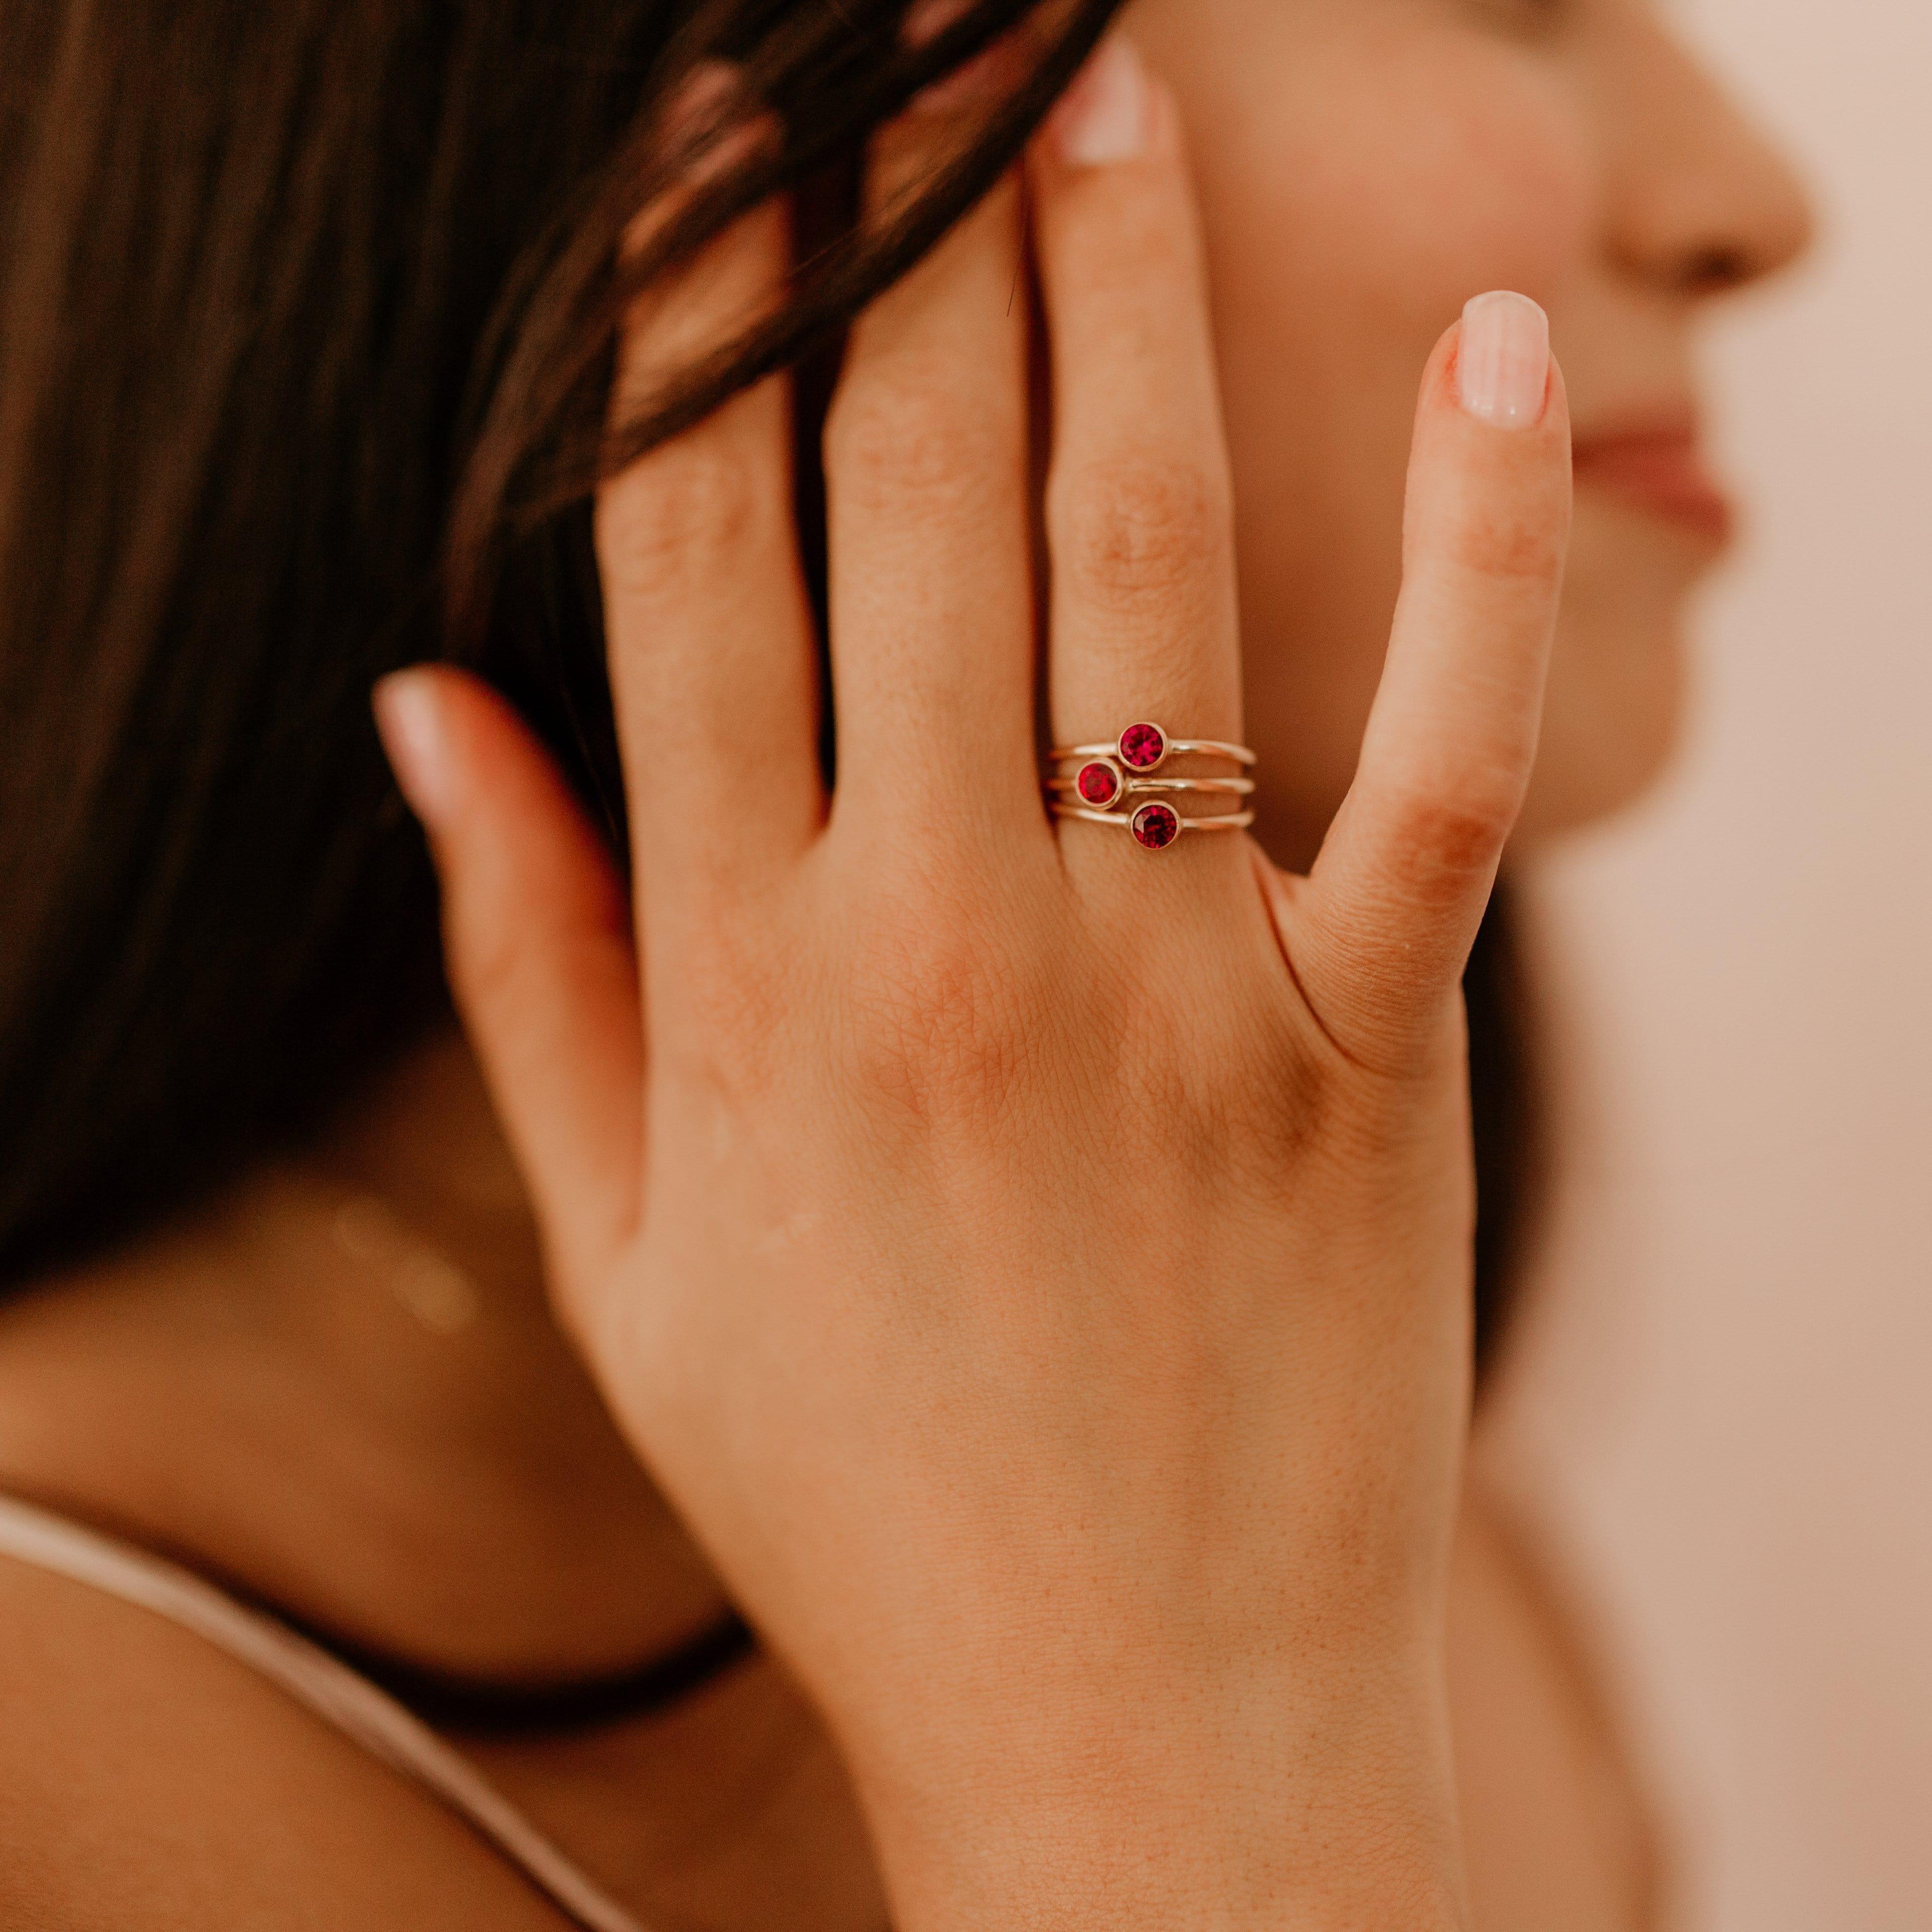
x=1039 y=1269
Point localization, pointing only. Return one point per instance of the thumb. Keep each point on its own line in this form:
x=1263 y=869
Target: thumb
x=538 y=944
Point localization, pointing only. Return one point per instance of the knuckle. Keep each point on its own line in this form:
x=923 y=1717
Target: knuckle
x=944 y=1019
x=661 y=524
x=1455 y=834
x=1506 y=543
x=1133 y=525
x=1239 y=1084
x=904 y=448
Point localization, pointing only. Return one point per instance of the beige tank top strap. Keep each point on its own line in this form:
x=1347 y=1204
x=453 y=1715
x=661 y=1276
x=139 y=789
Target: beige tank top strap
x=335 y=1694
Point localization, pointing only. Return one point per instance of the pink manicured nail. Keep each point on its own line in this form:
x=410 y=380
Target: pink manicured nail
x=1105 y=115
x=409 y=720
x=1502 y=362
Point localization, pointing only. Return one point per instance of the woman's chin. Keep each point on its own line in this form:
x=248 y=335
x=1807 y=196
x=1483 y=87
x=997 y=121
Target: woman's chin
x=1620 y=675
x=1612 y=729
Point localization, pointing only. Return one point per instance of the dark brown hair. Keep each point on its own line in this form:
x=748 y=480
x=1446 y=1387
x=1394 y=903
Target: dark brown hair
x=306 y=316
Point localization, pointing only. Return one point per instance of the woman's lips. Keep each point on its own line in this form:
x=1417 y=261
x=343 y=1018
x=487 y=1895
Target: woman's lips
x=1660 y=469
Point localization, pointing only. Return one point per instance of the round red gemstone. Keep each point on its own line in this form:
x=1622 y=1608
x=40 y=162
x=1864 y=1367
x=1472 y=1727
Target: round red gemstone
x=1143 y=746
x=1099 y=785
x=1156 y=826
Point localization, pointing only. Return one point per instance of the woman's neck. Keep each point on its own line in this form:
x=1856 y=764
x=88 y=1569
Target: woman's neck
x=340 y=1387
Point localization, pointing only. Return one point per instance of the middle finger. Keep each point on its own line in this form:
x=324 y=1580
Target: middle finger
x=925 y=456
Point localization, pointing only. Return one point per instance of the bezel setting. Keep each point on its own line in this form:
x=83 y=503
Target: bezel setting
x=1155 y=825
x=1115 y=786
x=1143 y=748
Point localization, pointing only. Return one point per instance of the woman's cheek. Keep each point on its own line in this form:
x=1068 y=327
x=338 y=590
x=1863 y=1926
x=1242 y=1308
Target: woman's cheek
x=1357 y=189
x=1448 y=166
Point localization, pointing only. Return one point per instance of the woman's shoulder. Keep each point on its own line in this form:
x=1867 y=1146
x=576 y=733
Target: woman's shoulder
x=149 y=1782
x=1555 y=1824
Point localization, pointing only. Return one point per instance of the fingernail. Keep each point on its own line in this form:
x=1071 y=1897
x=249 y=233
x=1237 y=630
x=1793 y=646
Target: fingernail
x=1502 y=361
x=409 y=721
x=1104 y=117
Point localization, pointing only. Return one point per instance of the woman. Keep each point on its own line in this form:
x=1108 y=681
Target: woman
x=1034 y=1266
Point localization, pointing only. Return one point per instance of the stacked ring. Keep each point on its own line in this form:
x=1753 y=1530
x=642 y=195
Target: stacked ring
x=1106 y=779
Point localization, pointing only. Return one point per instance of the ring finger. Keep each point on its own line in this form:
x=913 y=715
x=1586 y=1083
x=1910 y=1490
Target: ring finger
x=1139 y=521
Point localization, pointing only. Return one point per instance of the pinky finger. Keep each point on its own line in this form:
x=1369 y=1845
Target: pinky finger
x=1387 y=918
x=537 y=941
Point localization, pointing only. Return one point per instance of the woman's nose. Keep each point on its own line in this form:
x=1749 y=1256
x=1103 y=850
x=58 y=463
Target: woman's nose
x=1703 y=202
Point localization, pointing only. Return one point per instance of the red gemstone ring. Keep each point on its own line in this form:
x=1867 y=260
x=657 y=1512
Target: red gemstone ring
x=1145 y=748
x=1106 y=780
x=1157 y=825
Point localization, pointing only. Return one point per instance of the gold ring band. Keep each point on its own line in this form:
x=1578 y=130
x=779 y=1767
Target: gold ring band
x=1199 y=748
x=1131 y=787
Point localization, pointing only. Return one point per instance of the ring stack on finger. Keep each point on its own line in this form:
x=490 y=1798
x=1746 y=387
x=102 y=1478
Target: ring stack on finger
x=1123 y=784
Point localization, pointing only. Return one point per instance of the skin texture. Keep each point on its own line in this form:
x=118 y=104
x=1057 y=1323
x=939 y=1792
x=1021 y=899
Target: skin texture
x=1581 y=164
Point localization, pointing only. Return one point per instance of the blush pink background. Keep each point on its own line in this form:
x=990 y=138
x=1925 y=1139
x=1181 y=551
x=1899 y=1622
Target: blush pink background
x=1723 y=1404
